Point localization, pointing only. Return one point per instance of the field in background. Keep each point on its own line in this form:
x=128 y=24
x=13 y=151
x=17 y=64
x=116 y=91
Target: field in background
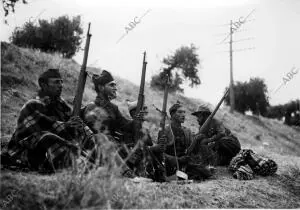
x=19 y=72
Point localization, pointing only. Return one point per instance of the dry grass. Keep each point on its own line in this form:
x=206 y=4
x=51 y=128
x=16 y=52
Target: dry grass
x=103 y=188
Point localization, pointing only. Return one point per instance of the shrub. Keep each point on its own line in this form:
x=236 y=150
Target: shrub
x=61 y=35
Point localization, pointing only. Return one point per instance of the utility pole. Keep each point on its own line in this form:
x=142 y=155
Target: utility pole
x=234 y=28
x=231 y=92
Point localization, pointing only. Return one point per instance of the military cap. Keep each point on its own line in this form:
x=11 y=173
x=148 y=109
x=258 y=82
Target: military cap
x=102 y=79
x=174 y=107
x=202 y=109
x=50 y=73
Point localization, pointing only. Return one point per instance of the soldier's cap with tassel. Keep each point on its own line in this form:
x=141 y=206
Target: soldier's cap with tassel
x=102 y=79
x=174 y=107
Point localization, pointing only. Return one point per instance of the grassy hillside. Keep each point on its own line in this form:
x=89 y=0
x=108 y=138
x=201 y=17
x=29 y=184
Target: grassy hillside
x=19 y=72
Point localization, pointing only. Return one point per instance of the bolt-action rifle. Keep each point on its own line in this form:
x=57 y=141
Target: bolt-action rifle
x=82 y=76
x=205 y=126
x=81 y=81
x=140 y=103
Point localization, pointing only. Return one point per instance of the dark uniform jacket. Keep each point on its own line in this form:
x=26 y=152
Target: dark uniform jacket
x=225 y=144
x=109 y=119
x=182 y=137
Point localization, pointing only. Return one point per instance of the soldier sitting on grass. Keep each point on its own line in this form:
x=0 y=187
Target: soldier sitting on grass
x=221 y=143
x=105 y=117
x=47 y=135
x=179 y=139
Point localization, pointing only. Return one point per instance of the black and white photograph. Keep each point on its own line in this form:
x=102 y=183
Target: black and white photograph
x=149 y=104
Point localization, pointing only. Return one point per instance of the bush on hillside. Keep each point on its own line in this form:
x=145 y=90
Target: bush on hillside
x=61 y=35
x=290 y=111
x=251 y=96
x=9 y=5
x=182 y=65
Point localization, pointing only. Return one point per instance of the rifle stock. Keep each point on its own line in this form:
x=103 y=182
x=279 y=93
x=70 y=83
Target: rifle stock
x=205 y=126
x=82 y=77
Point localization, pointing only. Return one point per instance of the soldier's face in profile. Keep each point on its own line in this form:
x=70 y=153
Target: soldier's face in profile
x=179 y=115
x=53 y=88
x=201 y=117
x=110 y=89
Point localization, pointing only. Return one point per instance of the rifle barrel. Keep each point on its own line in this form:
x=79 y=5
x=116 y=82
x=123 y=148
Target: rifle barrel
x=82 y=76
x=208 y=120
x=142 y=86
x=204 y=127
x=164 y=108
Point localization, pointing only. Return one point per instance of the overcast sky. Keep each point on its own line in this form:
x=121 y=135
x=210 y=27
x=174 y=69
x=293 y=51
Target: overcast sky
x=273 y=31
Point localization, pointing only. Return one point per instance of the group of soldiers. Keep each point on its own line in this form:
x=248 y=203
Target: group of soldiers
x=48 y=137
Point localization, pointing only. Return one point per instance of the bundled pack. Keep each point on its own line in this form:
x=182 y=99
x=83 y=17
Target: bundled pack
x=246 y=164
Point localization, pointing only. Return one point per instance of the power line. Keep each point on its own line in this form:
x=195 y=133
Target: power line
x=228 y=24
x=244 y=49
x=240 y=40
x=235 y=28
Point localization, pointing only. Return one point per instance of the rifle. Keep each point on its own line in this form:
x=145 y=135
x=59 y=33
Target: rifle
x=140 y=103
x=82 y=76
x=205 y=126
x=81 y=82
x=162 y=123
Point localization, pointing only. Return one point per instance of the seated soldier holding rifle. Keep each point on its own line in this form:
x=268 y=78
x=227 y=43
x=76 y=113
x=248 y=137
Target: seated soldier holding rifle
x=221 y=143
x=111 y=122
x=47 y=135
x=179 y=139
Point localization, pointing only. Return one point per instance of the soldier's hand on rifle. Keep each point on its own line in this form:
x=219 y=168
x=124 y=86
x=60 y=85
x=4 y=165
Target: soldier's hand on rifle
x=217 y=137
x=75 y=122
x=200 y=136
x=90 y=117
x=140 y=116
x=206 y=141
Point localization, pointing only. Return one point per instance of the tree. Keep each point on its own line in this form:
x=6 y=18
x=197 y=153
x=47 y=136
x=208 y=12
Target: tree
x=9 y=5
x=184 y=65
x=290 y=111
x=251 y=96
x=158 y=82
x=257 y=92
x=240 y=90
x=66 y=35
x=275 y=112
x=61 y=35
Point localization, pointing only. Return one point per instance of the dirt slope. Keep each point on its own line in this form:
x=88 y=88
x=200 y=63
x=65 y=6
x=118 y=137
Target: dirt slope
x=19 y=72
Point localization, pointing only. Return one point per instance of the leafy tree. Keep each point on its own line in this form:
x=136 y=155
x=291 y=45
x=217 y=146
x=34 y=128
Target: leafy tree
x=182 y=65
x=291 y=115
x=61 y=35
x=275 y=112
x=257 y=92
x=9 y=5
x=240 y=92
x=158 y=82
x=251 y=96
x=66 y=35
x=290 y=111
